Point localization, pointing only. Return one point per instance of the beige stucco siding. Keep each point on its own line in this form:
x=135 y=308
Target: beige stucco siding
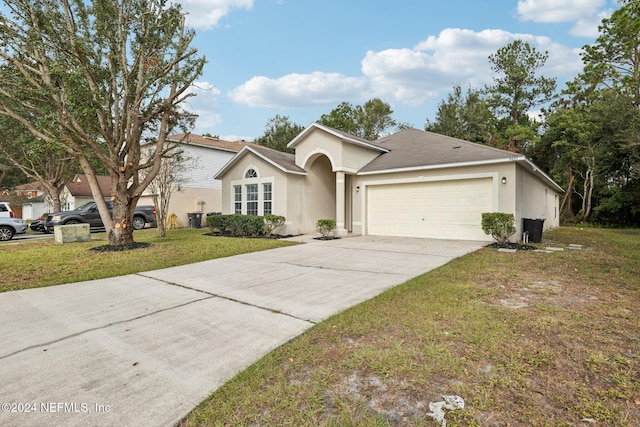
x=343 y=156
x=535 y=200
x=318 y=201
x=288 y=190
x=188 y=199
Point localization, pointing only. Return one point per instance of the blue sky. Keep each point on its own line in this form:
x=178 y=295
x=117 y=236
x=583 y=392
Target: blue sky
x=301 y=58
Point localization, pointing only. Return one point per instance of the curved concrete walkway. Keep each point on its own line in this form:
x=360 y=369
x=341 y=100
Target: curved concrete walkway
x=145 y=349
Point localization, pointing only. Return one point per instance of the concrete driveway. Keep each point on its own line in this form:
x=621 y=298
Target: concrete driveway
x=145 y=349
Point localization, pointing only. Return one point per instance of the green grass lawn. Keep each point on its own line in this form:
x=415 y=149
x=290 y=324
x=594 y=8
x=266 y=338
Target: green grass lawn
x=41 y=262
x=526 y=339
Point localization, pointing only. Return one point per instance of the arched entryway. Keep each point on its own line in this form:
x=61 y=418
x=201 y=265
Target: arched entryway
x=320 y=189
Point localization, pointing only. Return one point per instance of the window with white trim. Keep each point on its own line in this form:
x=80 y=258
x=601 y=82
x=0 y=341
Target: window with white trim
x=252 y=194
x=237 y=199
x=252 y=199
x=267 y=194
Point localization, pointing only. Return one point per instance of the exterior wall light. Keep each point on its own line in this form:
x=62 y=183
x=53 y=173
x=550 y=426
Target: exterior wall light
x=504 y=179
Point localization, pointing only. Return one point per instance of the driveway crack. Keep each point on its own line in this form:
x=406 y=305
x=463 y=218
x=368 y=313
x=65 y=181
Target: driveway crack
x=97 y=328
x=214 y=295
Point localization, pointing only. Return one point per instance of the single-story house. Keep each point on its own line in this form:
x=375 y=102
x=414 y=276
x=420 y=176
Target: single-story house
x=413 y=183
x=78 y=192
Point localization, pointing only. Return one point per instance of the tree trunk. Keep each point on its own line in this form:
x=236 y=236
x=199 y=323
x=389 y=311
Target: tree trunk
x=123 y=207
x=122 y=232
x=585 y=212
x=161 y=216
x=565 y=206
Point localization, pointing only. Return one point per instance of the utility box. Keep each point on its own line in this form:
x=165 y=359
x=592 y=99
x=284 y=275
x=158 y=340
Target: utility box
x=72 y=233
x=195 y=219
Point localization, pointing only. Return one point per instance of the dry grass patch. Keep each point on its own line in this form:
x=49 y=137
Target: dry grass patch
x=527 y=339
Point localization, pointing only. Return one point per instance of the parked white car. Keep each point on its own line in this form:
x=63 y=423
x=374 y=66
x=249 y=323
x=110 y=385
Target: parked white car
x=10 y=227
x=5 y=210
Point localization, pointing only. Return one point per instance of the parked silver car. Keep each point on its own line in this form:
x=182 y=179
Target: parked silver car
x=5 y=210
x=10 y=227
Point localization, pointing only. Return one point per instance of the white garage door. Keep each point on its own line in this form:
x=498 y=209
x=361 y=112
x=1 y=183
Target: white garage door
x=440 y=209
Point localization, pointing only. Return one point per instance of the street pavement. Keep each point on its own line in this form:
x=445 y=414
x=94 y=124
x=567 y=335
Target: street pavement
x=145 y=349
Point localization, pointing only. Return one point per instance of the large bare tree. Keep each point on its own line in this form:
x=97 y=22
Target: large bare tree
x=112 y=74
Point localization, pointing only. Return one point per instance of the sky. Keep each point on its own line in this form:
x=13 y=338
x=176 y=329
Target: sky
x=301 y=58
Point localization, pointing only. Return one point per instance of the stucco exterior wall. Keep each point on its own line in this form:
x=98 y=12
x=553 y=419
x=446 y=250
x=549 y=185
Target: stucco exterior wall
x=319 y=198
x=287 y=190
x=535 y=200
x=344 y=156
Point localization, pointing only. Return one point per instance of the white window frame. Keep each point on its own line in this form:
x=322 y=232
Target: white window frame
x=252 y=206
x=237 y=202
x=259 y=181
x=266 y=201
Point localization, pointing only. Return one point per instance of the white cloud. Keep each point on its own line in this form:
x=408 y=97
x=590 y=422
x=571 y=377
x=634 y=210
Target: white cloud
x=297 y=90
x=586 y=14
x=205 y=105
x=588 y=27
x=454 y=56
x=206 y=14
x=411 y=76
x=558 y=10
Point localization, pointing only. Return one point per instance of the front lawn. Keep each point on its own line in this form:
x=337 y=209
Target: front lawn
x=36 y=263
x=526 y=339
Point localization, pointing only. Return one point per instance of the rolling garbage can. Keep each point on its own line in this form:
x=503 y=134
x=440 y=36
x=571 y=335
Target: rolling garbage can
x=532 y=228
x=195 y=219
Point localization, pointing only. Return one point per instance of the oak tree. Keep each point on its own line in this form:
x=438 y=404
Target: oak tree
x=112 y=74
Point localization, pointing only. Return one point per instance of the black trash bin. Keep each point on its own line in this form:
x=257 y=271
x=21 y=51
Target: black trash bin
x=533 y=229
x=195 y=219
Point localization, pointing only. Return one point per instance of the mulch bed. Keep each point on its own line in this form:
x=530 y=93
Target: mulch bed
x=517 y=246
x=119 y=248
x=227 y=234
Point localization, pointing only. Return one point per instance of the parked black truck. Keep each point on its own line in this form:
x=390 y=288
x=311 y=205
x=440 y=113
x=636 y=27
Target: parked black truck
x=88 y=214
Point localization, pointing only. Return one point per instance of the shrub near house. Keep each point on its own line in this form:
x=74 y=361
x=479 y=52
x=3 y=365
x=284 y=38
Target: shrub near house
x=237 y=225
x=499 y=225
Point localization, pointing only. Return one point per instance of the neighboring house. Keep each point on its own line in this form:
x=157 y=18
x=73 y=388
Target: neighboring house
x=34 y=205
x=413 y=183
x=199 y=191
x=77 y=191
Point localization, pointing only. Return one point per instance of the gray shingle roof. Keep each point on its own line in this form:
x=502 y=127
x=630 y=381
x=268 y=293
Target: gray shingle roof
x=286 y=161
x=413 y=148
x=193 y=138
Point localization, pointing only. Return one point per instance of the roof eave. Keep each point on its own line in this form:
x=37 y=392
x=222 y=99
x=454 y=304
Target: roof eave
x=242 y=153
x=440 y=166
x=536 y=171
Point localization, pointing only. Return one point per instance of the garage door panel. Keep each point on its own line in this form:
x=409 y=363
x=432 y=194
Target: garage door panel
x=442 y=209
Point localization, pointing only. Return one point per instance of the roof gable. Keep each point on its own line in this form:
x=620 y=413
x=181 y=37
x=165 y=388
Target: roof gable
x=281 y=160
x=343 y=136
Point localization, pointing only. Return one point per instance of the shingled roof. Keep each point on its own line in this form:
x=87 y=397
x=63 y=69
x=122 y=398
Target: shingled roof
x=283 y=161
x=207 y=141
x=79 y=187
x=413 y=148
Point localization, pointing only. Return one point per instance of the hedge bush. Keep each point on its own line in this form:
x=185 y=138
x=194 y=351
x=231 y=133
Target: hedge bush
x=237 y=225
x=499 y=225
